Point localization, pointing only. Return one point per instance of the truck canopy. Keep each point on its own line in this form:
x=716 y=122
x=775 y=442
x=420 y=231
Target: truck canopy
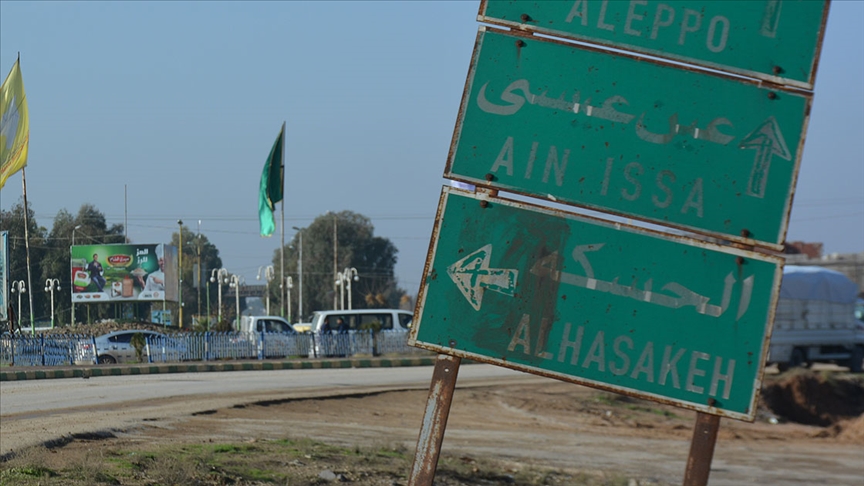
x=817 y=283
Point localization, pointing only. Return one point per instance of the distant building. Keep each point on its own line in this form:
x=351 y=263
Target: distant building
x=812 y=250
x=849 y=264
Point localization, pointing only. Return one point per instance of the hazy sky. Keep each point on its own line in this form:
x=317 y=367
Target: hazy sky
x=180 y=103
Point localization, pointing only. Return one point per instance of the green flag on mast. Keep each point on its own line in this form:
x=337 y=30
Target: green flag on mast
x=271 y=185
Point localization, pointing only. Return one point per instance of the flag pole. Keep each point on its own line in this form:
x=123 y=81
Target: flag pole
x=282 y=283
x=27 y=250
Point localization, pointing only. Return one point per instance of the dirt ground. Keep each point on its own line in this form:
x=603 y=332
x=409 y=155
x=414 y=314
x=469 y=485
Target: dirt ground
x=809 y=430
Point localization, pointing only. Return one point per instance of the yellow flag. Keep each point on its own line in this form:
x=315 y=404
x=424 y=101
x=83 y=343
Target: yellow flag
x=14 y=125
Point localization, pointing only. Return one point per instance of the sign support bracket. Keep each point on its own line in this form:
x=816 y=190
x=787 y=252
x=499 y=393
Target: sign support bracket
x=434 y=420
x=701 y=449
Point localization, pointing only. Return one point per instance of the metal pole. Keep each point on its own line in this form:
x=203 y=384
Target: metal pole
x=236 y=281
x=351 y=276
x=701 y=449
x=300 y=270
x=180 y=277
x=434 y=420
x=282 y=247
x=49 y=287
x=335 y=251
x=340 y=281
x=207 y=282
x=219 y=301
x=289 y=284
x=27 y=250
x=19 y=287
x=200 y=270
x=72 y=287
x=52 y=307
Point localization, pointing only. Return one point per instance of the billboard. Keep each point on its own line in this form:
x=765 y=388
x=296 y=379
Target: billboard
x=124 y=273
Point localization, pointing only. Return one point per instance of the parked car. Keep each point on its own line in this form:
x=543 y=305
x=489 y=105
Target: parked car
x=117 y=347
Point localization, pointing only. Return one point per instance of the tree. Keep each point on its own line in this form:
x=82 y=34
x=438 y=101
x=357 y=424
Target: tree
x=13 y=222
x=357 y=247
x=195 y=244
x=90 y=228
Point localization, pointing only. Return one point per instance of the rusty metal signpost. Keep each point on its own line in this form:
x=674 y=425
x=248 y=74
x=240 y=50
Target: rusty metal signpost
x=670 y=318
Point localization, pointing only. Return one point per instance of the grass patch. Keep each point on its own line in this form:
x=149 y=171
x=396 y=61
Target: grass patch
x=294 y=461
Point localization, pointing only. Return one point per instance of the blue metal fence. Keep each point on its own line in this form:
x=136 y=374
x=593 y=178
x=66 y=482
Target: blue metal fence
x=46 y=350
x=56 y=349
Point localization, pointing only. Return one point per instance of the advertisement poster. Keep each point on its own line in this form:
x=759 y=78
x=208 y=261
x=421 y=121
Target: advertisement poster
x=4 y=274
x=123 y=273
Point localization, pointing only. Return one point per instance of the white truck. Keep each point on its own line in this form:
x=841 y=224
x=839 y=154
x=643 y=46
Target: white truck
x=815 y=320
x=280 y=339
x=257 y=324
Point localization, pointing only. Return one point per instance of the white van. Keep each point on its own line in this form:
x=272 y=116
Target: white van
x=364 y=319
x=354 y=337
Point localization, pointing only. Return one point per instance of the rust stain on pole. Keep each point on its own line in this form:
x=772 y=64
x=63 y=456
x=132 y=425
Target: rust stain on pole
x=434 y=420
x=701 y=449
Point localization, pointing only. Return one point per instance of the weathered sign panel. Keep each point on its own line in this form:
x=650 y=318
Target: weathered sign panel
x=630 y=310
x=687 y=149
x=773 y=40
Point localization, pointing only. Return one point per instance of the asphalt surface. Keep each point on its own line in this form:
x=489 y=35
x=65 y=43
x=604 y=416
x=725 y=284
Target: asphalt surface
x=13 y=373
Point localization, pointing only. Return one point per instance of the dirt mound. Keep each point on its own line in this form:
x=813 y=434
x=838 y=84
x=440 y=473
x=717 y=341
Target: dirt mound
x=853 y=430
x=813 y=398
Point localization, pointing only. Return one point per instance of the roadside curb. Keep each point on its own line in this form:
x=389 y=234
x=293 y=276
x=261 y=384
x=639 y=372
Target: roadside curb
x=203 y=367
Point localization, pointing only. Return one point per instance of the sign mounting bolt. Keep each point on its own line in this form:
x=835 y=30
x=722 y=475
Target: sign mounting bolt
x=520 y=43
x=490 y=177
x=772 y=95
x=777 y=69
x=745 y=233
x=483 y=204
x=525 y=17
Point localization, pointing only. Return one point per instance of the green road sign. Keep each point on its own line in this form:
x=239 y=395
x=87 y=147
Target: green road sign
x=686 y=149
x=593 y=302
x=773 y=40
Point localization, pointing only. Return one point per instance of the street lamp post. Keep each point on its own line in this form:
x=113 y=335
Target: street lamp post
x=71 y=294
x=350 y=273
x=335 y=254
x=219 y=276
x=197 y=278
x=235 y=284
x=289 y=284
x=343 y=280
x=50 y=285
x=180 y=275
x=300 y=271
x=269 y=273
x=19 y=287
x=340 y=303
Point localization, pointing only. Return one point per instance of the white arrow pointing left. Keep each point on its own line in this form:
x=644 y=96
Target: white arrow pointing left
x=472 y=275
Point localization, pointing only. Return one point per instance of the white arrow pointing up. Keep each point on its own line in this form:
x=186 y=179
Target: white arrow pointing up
x=472 y=275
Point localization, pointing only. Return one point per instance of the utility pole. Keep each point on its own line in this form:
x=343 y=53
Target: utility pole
x=335 y=265
x=180 y=277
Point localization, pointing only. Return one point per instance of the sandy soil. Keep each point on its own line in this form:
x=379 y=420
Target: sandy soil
x=549 y=423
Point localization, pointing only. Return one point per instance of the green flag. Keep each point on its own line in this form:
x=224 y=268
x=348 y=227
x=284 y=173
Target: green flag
x=271 y=185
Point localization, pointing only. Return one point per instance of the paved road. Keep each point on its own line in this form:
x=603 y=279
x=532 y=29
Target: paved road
x=37 y=411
